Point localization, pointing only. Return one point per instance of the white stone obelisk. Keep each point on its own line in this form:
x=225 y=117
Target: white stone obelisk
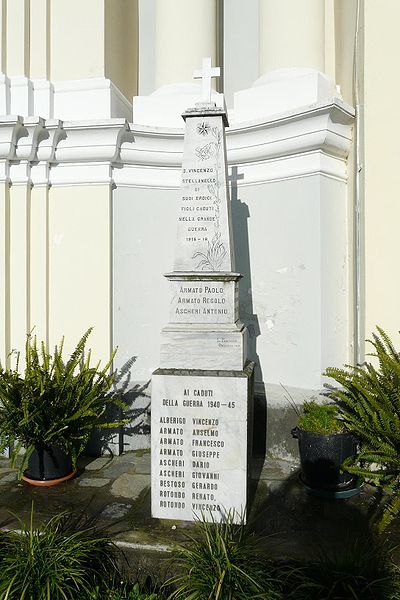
x=200 y=394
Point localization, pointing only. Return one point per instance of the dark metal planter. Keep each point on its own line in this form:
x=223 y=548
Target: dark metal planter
x=321 y=457
x=48 y=465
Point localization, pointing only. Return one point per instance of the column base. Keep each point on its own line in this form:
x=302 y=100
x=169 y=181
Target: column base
x=96 y=98
x=21 y=91
x=43 y=98
x=5 y=95
x=283 y=90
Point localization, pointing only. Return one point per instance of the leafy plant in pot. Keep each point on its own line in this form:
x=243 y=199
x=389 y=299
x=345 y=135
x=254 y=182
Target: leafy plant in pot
x=48 y=413
x=369 y=399
x=324 y=444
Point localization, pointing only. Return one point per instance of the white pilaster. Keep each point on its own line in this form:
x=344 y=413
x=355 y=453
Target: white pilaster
x=20 y=209
x=3 y=36
x=292 y=34
x=186 y=31
x=147 y=46
x=39 y=230
x=39 y=33
x=4 y=80
x=43 y=98
x=9 y=131
x=176 y=57
x=39 y=67
x=17 y=40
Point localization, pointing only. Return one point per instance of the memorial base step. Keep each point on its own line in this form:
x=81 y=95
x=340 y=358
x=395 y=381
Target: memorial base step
x=214 y=348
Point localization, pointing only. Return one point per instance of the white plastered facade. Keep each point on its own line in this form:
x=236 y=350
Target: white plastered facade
x=88 y=187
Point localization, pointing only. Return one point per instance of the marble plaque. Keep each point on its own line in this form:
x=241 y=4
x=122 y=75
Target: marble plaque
x=200 y=439
x=204 y=302
x=203 y=219
x=205 y=348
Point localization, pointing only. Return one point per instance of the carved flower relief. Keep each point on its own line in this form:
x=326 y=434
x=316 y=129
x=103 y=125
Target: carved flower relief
x=211 y=149
x=213 y=258
x=205 y=152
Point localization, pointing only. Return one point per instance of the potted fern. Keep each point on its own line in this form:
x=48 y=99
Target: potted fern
x=369 y=399
x=324 y=444
x=48 y=413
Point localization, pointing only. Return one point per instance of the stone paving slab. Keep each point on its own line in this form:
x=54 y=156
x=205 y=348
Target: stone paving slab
x=10 y=478
x=4 y=470
x=130 y=485
x=94 y=482
x=143 y=464
x=116 y=510
x=117 y=468
x=98 y=463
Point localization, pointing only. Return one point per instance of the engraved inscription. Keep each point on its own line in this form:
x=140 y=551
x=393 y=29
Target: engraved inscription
x=203 y=223
x=193 y=449
x=203 y=302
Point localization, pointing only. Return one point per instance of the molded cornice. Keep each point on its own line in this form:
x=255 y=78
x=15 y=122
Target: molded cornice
x=301 y=142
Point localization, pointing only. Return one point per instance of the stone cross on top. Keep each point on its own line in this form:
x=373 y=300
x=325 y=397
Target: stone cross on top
x=206 y=73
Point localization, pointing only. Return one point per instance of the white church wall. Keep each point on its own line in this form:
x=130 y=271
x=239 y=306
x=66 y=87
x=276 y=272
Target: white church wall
x=290 y=220
x=291 y=165
x=4 y=270
x=379 y=168
x=292 y=249
x=109 y=212
x=295 y=285
x=80 y=266
x=143 y=236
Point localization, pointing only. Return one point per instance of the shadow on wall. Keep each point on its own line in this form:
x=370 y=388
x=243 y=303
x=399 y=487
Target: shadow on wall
x=136 y=433
x=240 y=216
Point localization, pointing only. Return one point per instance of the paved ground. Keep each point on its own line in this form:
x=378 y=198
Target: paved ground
x=117 y=489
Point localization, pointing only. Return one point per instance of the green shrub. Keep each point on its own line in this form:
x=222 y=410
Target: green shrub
x=369 y=399
x=320 y=418
x=222 y=561
x=125 y=592
x=358 y=571
x=63 y=559
x=55 y=402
